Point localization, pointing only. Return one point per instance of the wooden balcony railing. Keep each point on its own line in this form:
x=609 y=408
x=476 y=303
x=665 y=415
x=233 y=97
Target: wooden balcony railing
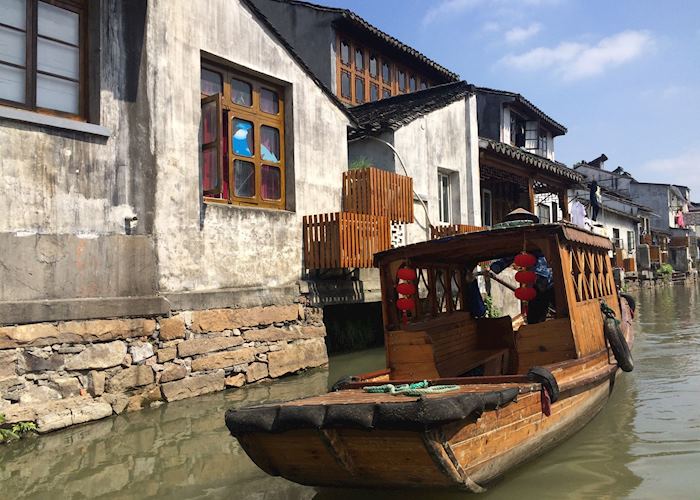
x=344 y=239
x=618 y=261
x=654 y=253
x=373 y=191
x=443 y=231
x=680 y=241
x=630 y=265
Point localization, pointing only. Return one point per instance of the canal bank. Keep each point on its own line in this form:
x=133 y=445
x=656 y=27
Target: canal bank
x=644 y=444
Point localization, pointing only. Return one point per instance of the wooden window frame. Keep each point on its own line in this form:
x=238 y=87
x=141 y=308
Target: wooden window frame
x=391 y=86
x=79 y=7
x=259 y=118
x=445 y=218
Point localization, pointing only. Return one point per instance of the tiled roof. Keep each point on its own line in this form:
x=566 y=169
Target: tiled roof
x=522 y=100
x=261 y=17
x=534 y=160
x=356 y=20
x=393 y=113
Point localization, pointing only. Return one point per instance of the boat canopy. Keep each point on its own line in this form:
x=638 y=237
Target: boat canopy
x=471 y=248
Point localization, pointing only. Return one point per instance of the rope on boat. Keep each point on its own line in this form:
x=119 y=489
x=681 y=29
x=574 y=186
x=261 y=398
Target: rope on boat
x=608 y=311
x=415 y=389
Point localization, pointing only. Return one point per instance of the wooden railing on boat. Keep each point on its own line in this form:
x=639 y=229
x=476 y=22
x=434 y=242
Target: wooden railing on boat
x=373 y=191
x=344 y=240
x=452 y=229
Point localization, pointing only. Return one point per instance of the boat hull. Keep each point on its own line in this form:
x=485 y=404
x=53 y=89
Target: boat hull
x=465 y=454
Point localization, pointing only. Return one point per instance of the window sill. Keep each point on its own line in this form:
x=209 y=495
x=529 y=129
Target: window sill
x=56 y=122
x=213 y=202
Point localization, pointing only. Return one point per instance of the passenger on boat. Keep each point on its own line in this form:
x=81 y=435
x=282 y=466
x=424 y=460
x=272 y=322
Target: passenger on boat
x=537 y=308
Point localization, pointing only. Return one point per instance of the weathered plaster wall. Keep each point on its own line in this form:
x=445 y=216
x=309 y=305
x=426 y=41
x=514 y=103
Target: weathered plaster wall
x=439 y=141
x=64 y=195
x=378 y=154
x=309 y=31
x=656 y=197
x=445 y=140
x=233 y=247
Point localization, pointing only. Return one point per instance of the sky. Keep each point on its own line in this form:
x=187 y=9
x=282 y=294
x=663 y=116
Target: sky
x=623 y=76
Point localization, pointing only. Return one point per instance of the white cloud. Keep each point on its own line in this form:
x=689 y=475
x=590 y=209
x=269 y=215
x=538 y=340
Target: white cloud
x=520 y=34
x=573 y=61
x=449 y=8
x=683 y=169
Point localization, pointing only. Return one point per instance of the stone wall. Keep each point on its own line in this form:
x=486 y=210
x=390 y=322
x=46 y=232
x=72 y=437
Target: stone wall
x=66 y=373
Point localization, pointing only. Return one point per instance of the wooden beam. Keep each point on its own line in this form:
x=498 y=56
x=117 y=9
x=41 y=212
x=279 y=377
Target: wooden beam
x=531 y=192
x=564 y=204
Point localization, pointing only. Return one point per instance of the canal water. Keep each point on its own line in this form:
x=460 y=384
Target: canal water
x=644 y=444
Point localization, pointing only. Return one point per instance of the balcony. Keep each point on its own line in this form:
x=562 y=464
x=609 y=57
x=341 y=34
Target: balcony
x=373 y=191
x=450 y=230
x=372 y=200
x=344 y=239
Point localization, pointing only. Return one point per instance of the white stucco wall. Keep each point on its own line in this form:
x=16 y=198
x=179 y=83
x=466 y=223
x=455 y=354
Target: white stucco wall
x=440 y=142
x=235 y=246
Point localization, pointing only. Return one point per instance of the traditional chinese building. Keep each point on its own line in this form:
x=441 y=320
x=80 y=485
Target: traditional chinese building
x=155 y=171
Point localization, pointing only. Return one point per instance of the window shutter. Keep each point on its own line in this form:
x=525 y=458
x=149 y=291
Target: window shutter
x=212 y=163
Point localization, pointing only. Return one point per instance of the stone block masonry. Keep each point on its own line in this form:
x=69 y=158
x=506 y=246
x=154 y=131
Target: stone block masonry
x=66 y=373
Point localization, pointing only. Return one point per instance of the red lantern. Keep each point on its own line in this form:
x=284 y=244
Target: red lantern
x=526 y=277
x=406 y=288
x=406 y=273
x=525 y=260
x=525 y=293
x=406 y=305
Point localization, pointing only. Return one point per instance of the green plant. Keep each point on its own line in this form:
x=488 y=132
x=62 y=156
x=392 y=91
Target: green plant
x=361 y=162
x=666 y=269
x=17 y=431
x=491 y=310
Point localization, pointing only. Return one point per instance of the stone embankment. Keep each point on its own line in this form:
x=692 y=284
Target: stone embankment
x=66 y=373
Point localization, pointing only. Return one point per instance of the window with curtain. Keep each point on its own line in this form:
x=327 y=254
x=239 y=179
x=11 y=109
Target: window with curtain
x=42 y=56
x=241 y=139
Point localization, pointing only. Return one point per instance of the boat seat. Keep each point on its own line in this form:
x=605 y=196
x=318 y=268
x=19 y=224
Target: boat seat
x=497 y=333
x=451 y=346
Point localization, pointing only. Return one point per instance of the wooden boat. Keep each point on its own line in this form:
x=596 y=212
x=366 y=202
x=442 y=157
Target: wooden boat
x=520 y=388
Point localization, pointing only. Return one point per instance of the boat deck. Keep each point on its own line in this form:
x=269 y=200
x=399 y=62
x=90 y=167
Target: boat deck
x=358 y=396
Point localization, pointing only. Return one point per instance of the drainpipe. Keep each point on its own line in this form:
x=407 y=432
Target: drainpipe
x=403 y=165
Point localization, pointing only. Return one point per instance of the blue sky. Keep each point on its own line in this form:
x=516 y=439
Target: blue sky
x=623 y=75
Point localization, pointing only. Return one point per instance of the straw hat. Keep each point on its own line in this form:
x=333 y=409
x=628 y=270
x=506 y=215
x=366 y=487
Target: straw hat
x=521 y=214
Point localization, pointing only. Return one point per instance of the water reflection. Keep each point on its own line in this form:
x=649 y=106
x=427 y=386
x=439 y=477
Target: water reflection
x=644 y=444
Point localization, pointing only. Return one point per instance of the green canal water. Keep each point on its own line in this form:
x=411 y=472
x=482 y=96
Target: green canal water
x=644 y=444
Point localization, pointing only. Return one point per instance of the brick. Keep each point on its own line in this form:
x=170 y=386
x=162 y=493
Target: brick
x=217 y=320
x=98 y=356
x=226 y=359
x=297 y=357
x=173 y=372
x=203 y=345
x=256 y=371
x=134 y=376
x=166 y=354
x=172 y=328
x=193 y=386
